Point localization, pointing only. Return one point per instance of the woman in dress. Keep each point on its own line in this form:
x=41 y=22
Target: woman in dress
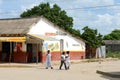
x=48 y=60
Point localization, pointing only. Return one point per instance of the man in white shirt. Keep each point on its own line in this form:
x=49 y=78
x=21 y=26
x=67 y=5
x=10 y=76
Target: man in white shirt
x=63 y=61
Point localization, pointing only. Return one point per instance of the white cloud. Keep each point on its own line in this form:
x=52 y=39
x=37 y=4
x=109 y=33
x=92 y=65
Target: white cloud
x=116 y=19
x=95 y=18
x=104 y=19
x=103 y=23
x=106 y=23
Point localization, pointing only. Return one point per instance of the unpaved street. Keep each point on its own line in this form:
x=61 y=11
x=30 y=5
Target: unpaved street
x=79 y=71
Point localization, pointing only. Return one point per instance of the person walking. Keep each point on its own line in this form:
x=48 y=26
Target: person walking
x=48 y=60
x=67 y=56
x=63 y=61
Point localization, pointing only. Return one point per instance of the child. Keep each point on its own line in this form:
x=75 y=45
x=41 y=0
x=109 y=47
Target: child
x=67 y=56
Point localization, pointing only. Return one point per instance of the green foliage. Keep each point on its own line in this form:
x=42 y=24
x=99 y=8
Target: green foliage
x=92 y=37
x=37 y=10
x=54 y=14
x=114 y=35
x=75 y=32
x=113 y=54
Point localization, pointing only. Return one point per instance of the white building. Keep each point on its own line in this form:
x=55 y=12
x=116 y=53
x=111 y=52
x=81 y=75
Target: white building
x=28 y=39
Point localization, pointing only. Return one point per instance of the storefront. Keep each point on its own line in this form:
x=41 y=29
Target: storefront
x=26 y=49
x=26 y=40
x=9 y=46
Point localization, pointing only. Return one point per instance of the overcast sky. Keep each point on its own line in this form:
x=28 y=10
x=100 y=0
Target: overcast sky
x=103 y=15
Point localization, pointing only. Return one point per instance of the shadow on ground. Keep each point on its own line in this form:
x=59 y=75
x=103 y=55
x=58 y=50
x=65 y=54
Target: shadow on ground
x=109 y=75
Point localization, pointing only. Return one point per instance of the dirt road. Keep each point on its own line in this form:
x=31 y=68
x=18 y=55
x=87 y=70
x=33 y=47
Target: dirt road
x=79 y=71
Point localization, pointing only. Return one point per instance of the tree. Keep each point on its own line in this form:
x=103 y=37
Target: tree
x=114 y=35
x=94 y=40
x=54 y=14
x=75 y=32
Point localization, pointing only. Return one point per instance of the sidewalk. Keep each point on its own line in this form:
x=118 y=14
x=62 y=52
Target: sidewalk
x=32 y=65
x=20 y=65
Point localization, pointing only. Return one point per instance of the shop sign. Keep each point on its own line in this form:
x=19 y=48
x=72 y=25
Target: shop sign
x=56 y=33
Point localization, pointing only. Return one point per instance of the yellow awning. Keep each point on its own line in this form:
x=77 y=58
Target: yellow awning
x=43 y=37
x=12 y=39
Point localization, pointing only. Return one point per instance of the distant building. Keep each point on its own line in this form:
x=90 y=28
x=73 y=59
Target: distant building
x=28 y=39
x=112 y=45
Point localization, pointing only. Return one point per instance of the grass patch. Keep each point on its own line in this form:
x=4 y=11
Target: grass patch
x=113 y=54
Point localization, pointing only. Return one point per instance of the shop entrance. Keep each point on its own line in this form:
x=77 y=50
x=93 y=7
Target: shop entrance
x=34 y=54
x=7 y=51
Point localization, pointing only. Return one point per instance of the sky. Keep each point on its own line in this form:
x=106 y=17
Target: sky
x=103 y=15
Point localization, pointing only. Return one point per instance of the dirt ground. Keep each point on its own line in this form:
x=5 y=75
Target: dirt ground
x=78 y=71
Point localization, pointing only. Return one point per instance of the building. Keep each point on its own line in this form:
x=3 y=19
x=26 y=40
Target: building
x=112 y=45
x=27 y=40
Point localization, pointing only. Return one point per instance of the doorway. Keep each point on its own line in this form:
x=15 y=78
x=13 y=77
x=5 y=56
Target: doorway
x=33 y=53
x=7 y=51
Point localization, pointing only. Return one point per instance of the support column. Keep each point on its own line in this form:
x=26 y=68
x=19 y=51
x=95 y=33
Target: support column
x=36 y=53
x=10 y=52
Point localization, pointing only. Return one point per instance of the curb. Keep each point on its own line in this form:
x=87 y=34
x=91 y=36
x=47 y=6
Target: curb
x=16 y=66
x=108 y=74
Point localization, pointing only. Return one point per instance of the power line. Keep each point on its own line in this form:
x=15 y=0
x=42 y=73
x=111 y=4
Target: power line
x=93 y=7
x=82 y=8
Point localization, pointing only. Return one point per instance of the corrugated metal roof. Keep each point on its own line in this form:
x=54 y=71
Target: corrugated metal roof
x=17 y=26
x=23 y=25
x=112 y=41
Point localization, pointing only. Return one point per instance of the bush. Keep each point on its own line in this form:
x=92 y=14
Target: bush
x=113 y=54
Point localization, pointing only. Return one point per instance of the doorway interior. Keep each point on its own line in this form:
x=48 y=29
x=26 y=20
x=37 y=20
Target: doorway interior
x=34 y=53
x=7 y=51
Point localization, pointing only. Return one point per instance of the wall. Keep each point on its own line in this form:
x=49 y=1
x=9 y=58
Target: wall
x=20 y=57
x=56 y=56
x=113 y=47
x=41 y=28
x=76 y=46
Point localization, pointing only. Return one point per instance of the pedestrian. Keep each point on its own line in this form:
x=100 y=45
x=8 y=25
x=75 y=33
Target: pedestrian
x=67 y=56
x=63 y=61
x=48 y=60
